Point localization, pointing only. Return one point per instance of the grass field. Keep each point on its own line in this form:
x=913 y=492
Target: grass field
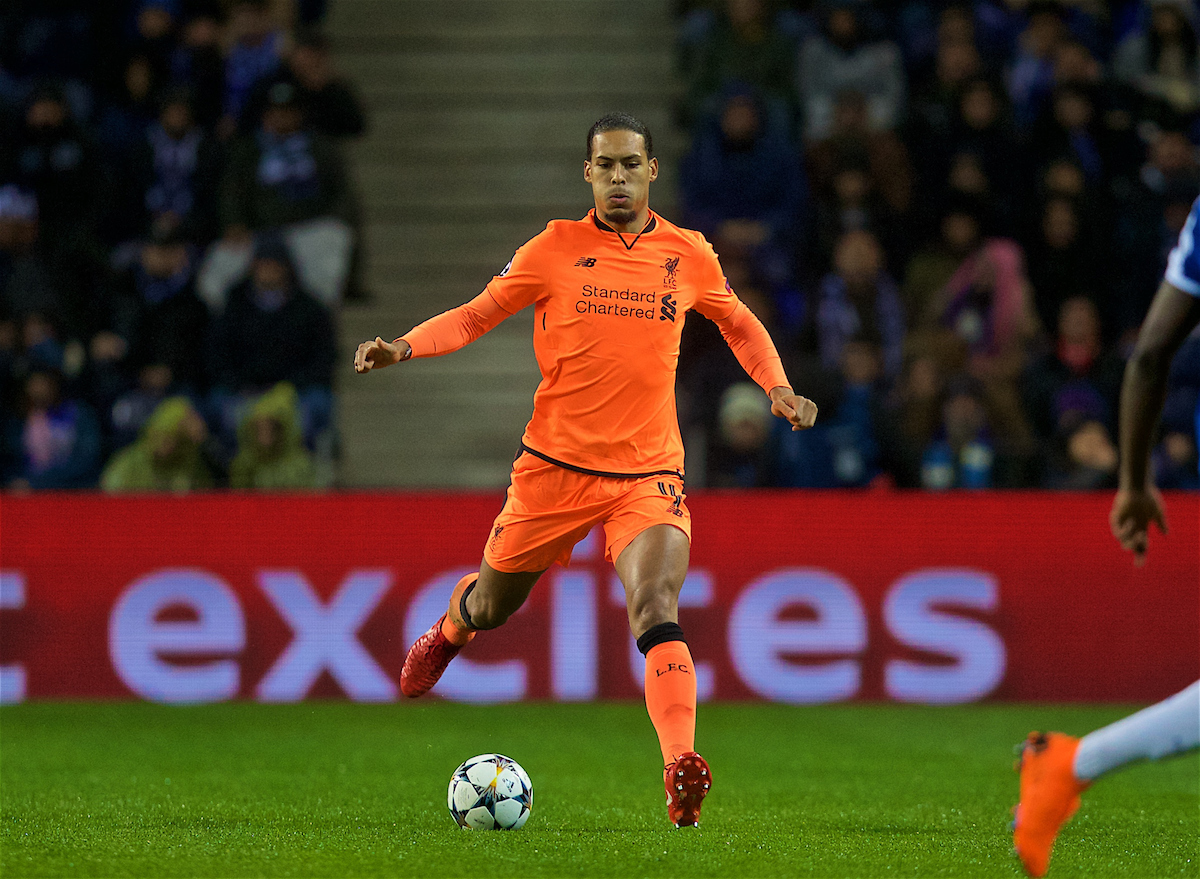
x=334 y=789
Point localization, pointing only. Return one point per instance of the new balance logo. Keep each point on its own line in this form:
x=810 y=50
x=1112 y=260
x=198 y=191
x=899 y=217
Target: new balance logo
x=586 y=261
x=668 y=308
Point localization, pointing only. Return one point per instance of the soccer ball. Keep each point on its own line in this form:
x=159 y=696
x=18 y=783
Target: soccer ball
x=490 y=792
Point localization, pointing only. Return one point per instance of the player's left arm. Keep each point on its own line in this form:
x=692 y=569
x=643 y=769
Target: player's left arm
x=750 y=342
x=1173 y=315
x=755 y=351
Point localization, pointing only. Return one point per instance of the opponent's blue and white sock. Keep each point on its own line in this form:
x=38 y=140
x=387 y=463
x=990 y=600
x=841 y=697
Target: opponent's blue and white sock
x=1171 y=726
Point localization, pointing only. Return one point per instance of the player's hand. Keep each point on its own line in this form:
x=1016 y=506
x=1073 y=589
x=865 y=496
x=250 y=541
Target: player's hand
x=377 y=354
x=1132 y=513
x=800 y=412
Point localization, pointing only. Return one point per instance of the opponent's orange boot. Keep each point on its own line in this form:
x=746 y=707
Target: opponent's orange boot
x=1049 y=797
x=426 y=660
x=687 y=781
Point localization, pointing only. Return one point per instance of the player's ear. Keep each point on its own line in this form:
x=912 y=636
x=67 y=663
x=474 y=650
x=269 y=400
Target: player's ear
x=587 y=170
x=654 y=169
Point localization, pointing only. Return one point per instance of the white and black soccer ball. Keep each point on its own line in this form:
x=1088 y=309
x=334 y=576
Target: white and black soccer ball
x=490 y=792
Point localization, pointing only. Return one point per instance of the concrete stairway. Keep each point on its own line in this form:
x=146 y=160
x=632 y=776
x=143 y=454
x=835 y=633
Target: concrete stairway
x=479 y=111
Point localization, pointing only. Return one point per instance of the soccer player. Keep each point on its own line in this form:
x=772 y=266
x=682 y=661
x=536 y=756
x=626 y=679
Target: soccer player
x=610 y=292
x=1056 y=768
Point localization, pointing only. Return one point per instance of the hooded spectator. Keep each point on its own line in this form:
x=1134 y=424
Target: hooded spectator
x=271 y=453
x=167 y=456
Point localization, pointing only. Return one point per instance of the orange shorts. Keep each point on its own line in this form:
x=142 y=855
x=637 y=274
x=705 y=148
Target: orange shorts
x=549 y=509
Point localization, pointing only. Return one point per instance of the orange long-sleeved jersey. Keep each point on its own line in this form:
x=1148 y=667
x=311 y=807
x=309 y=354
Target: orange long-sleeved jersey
x=608 y=314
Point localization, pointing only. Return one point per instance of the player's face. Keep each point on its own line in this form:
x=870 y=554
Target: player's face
x=620 y=173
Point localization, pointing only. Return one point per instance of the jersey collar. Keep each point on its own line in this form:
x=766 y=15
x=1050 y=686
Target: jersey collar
x=651 y=224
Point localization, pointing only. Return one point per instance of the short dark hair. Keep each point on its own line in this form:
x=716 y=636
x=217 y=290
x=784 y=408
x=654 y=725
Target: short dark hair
x=620 y=122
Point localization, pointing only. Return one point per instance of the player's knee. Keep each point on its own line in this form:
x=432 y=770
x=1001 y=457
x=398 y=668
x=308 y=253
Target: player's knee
x=652 y=603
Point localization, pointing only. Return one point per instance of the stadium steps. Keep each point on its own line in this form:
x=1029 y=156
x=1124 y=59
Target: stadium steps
x=478 y=115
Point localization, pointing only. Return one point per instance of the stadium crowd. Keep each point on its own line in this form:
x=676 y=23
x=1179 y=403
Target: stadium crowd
x=177 y=231
x=950 y=215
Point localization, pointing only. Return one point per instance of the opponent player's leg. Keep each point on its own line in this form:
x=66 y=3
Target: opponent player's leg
x=482 y=600
x=1056 y=768
x=652 y=568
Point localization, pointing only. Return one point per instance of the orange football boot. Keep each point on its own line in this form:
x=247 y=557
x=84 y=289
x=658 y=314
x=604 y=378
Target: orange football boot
x=1049 y=797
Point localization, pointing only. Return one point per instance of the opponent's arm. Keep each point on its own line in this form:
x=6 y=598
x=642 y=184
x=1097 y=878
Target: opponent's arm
x=1173 y=315
x=441 y=334
x=752 y=345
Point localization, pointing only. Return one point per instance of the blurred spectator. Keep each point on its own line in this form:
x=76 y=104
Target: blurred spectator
x=852 y=203
x=271 y=331
x=167 y=457
x=271 y=453
x=740 y=456
x=841 y=450
x=1079 y=375
x=330 y=104
x=1068 y=127
x=155 y=329
x=739 y=44
x=980 y=159
x=122 y=121
x=36 y=279
x=1084 y=457
x=1031 y=72
x=51 y=155
x=932 y=267
x=197 y=64
x=1163 y=61
x=289 y=177
x=934 y=109
x=743 y=185
x=851 y=140
x=55 y=443
x=177 y=170
x=844 y=58
x=859 y=298
x=1174 y=461
x=983 y=320
x=962 y=454
x=1061 y=265
x=1148 y=219
x=256 y=47
x=911 y=417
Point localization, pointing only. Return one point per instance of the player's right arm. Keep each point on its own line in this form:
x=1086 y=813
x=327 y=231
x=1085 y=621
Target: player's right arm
x=1173 y=315
x=518 y=285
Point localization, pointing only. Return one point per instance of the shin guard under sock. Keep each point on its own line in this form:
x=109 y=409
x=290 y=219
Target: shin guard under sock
x=671 y=697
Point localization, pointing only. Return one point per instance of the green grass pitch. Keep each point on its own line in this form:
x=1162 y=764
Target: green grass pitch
x=336 y=789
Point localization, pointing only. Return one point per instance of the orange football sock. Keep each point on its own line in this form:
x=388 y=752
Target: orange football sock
x=455 y=626
x=671 y=698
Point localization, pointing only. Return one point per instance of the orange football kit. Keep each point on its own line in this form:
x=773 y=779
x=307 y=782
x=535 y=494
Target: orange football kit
x=603 y=444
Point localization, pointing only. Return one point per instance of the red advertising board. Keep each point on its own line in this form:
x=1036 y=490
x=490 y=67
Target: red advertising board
x=791 y=596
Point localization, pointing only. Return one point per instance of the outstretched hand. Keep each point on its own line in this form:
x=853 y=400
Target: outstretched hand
x=378 y=354
x=800 y=412
x=1132 y=513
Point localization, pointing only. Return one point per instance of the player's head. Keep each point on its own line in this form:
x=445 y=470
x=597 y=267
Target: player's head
x=620 y=167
